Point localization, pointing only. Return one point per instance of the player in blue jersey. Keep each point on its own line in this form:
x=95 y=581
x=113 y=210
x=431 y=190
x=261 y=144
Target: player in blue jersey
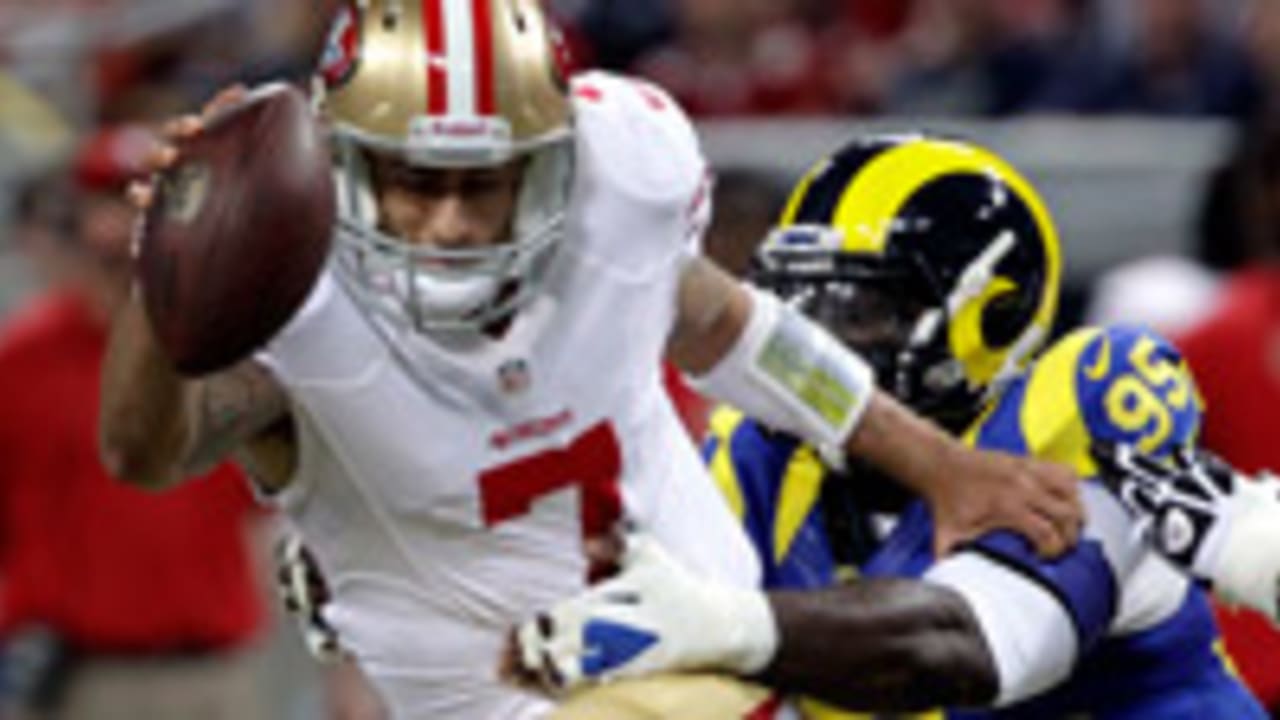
x=939 y=263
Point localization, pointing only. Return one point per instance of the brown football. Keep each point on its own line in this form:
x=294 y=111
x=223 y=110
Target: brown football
x=238 y=231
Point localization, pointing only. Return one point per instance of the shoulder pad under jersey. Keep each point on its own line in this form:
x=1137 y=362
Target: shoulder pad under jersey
x=1117 y=383
x=642 y=183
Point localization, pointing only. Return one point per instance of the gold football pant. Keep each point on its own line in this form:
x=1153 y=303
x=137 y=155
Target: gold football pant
x=671 y=697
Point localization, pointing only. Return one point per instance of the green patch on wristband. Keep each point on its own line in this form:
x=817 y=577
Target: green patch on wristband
x=820 y=388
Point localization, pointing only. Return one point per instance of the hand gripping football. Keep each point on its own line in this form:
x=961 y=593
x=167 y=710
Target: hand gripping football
x=238 y=230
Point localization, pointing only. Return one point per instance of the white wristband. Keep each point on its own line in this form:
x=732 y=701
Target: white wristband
x=790 y=374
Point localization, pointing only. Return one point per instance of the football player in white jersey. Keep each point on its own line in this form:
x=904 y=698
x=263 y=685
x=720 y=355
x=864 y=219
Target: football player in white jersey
x=474 y=386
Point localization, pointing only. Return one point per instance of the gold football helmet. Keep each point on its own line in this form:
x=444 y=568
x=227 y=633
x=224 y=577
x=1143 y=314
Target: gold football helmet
x=447 y=84
x=934 y=258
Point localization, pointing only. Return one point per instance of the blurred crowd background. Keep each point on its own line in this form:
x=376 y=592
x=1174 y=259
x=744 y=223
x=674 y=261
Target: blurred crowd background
x=1152 y=126
x=1110 y=103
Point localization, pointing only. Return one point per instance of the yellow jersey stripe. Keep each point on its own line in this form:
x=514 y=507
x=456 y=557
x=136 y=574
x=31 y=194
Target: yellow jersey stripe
x=722 y=425
x=797 y=497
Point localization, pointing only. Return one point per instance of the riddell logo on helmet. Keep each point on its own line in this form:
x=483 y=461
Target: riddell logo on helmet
x=461 y=134
x=465 y=128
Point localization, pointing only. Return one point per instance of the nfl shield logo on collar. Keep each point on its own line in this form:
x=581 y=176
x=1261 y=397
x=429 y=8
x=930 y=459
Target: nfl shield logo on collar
x=513 y=376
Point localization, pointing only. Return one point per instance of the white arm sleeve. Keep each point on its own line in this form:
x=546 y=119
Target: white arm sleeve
x=1027 y=629
x=792 y=375
x=1038 y=616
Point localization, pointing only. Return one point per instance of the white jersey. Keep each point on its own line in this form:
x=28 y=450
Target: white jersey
x=445 y=493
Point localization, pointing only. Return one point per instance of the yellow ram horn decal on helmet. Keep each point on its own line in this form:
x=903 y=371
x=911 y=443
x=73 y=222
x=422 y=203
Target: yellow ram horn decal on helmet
x=980 y=362
x=956 y=240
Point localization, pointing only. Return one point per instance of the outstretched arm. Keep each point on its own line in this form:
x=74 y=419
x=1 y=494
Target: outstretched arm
x=885 y=645
x=146 y=409
x=744 y=347
x=157 y=427
x=891 y=645
x=974 y=631
x=992 y=624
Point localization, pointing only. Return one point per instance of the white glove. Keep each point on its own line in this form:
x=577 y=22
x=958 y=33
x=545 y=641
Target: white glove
x=305 y=595
x=1218 y=525
x=655 y=616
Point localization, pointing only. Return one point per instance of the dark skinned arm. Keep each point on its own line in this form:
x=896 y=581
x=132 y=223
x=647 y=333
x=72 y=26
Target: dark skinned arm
x=886 y=645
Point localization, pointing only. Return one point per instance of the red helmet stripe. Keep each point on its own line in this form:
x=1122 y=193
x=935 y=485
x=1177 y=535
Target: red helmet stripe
x=437 y=78
x=482 y=20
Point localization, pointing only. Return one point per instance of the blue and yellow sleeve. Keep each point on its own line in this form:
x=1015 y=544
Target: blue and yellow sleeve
x=1119 y=384
x=1123 y=384
x=773 y=483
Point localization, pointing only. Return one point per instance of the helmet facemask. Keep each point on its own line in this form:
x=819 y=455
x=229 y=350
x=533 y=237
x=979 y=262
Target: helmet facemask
x=433 y=289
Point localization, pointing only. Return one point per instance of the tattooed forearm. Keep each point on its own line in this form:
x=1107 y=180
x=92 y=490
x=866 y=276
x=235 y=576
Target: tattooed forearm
x=234 y=407
x=157 y=427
